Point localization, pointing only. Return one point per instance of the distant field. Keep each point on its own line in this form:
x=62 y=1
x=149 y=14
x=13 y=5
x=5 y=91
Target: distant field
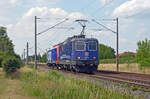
x=52 y=85
x=125 y=68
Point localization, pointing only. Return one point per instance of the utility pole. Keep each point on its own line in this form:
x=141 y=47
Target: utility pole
x=35 y=58
x=24 y=60
x=36 y=34
x=117 y=39
x=117 y=56
x=27 y=53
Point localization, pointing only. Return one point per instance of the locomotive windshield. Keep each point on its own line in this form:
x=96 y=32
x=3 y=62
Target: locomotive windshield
x=92 y=46
x=80 y=46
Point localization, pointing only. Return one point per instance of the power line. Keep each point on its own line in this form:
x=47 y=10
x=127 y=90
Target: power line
x=40 y=48
x=100 y=8
x=53 y=26
x=117 y=40
x=103 y=26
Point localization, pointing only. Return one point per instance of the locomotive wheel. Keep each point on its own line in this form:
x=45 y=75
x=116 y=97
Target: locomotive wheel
x=77 y=69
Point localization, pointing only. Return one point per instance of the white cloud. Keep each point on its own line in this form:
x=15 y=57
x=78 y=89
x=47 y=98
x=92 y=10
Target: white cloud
x=13 y=2
x=7 y=8
x=41 y=3
x=76 y=15
x=123 y=40
x=132 y=7
x=104 y=2
x=23 y=30
x=142 y=31
x=45 y=2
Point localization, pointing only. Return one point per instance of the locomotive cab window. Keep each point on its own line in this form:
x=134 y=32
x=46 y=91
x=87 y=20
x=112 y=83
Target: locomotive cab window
x=92 y=45
x=80 y=46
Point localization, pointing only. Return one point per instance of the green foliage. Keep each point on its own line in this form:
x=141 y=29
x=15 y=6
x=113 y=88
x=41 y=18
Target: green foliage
x=107 y=61
x=12 y=61
x=5 y=43
x=53 y=85
x=145 y=62
x=134 y=88
x=143 y=53
x=3 y=32
x=106 y=52
x=4 y=84
x=31 y=58
x=11 y=64
x=31 y=65
x=121 y=61
x=2 y=57
x=126 y=85
x=39 y=57
x=43 y=59
x=127 y=58
x=127 y=55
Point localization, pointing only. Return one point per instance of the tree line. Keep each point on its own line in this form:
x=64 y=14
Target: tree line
x=9 y=60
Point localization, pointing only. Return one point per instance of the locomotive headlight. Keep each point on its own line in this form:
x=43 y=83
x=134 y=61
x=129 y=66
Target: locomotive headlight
x=94 y=57
x=78 y=57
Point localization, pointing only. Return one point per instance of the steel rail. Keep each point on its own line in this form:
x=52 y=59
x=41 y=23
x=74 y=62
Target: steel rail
x=140 y=83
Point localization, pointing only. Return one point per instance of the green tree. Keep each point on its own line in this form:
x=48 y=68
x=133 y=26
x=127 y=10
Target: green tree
x=39 y=57
x=8 y=58
x=2 y=57
x=6 y=44
x=43 y=59
x=127 y=58
x=11 y=64
x=143 y=53
x=106 y=52
x=3 y=33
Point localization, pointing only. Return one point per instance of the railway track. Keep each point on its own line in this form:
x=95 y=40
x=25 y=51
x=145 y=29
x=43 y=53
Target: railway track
x=145 y=84
x=132 y=79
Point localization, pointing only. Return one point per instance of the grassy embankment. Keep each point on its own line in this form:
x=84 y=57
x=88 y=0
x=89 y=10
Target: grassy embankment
x=51 y=85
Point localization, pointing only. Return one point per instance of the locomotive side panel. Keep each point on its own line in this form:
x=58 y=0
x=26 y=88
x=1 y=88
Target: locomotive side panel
x=65 y=51
x=52 y=57
x=49 y=57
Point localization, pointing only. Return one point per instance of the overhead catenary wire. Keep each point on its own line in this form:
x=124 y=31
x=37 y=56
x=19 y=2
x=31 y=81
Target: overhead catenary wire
x=103 y=26
x=100 y=8
x=52 y=26
x=62 y=21
x=66 y=27
x=41 y=48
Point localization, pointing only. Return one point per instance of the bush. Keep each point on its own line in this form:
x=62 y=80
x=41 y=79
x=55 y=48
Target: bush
x=143 y=53
x=1 y=59
x=145 y=62
x=11 y=64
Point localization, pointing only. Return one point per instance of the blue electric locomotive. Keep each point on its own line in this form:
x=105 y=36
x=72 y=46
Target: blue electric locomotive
x=77 y=53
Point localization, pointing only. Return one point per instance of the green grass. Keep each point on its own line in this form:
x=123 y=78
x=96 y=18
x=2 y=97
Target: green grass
x=52 y=85
x=3 y=84
x=38 y=84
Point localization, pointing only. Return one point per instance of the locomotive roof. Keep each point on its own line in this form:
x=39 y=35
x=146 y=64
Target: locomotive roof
x=73 y=38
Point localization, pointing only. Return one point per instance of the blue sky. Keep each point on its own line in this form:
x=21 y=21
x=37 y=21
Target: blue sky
x=18 y=17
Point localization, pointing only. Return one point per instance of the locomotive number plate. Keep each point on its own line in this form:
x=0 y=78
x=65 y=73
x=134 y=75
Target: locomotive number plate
x=86 y=54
